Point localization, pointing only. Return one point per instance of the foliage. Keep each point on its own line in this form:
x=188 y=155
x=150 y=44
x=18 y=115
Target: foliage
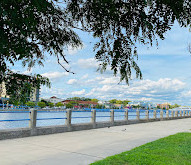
x=32 y=28
x=39 y=26
x=136 y=106
x=79 y=99
x=46 y=102
x=115 y=101
x=19 y=87
x=98 y=106
x=50 y=104
x=74 y=102
x=69 y=105
x=118 y=102
x=174 y=149
x=120 y=25
x=30 y=104
x=174 y=106
x=95 y=100
x=59 y=104
x=29 y=28
x=41 y=104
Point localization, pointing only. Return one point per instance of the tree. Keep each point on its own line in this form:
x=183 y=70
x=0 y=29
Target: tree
x=41 y=104
x=79 y=99
x=121 y=24
x=113 y=101
x=125 y=102
x=46 y=102
x=69 y=105
x=119 y=102
x=19 y=87
x=50 y=104
x=98 y=106
x=95 y=100
x=29 y=28
x=59 y=104
x=30 y=104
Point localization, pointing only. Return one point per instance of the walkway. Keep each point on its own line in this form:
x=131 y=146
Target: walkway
x=84 y=147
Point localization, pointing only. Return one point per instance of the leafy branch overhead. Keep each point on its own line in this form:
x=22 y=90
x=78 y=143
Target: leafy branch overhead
x=32 y=28
x=20 y=87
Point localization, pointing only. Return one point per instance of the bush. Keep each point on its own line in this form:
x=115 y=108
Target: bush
x=69 y=105
x=41 y=104
x=30 y=104
x=59 y=104
x=50 y=105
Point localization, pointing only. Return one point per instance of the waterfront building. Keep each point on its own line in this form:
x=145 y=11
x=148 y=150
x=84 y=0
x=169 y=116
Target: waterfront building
x=54 y=99
x=81 y=104
x=143 y=104
x=106 y=104
x=163 y=106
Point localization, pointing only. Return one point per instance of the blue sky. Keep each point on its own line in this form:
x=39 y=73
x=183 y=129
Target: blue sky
x=166 y=72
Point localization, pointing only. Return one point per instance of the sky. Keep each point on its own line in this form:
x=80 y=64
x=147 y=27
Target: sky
x=166 y=70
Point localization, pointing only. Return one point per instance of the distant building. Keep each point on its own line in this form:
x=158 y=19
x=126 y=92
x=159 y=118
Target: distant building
x=54 y=99
x=118 y=106
x=3 y=93
x=164 y=105
x=34 y=96
x=107 y=104
x=81 y=104
x=143 y=104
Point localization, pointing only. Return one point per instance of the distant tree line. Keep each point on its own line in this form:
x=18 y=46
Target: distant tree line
x=115 y=101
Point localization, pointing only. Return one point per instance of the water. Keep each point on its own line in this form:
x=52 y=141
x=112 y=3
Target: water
x=45 y=118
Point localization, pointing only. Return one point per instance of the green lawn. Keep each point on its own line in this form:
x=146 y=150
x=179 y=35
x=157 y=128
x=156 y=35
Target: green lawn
x=171 y=150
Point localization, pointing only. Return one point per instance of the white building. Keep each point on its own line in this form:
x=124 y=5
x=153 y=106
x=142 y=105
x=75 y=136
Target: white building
x=54 y=99
x=143 y=104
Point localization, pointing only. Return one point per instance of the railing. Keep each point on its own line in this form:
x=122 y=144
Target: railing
x=113 y=116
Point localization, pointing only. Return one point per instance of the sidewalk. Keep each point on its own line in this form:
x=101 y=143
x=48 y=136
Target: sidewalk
x=84 y=147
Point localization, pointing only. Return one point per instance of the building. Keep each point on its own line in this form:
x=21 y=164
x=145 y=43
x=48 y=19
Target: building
x=34 y=96
x=81 y=104
x=143 y=104
x=106 y=104
x=163 y=106
x=54 y=99
x=3 y=93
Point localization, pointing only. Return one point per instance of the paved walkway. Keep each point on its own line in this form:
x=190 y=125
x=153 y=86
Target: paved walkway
x=84 y=147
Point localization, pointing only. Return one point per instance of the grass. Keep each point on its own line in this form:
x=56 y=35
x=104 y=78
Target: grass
x=171 y=150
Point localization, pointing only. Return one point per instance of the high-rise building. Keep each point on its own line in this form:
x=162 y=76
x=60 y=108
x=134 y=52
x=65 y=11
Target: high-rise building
x=34 y=96
x=3 y=93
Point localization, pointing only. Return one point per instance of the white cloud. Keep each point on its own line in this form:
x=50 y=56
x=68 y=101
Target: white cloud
x=88 y=63
x=78 y=92
x=142 y=90
x=110 y=80
x=72 y=81
x=85 y=76
x=55 y=75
